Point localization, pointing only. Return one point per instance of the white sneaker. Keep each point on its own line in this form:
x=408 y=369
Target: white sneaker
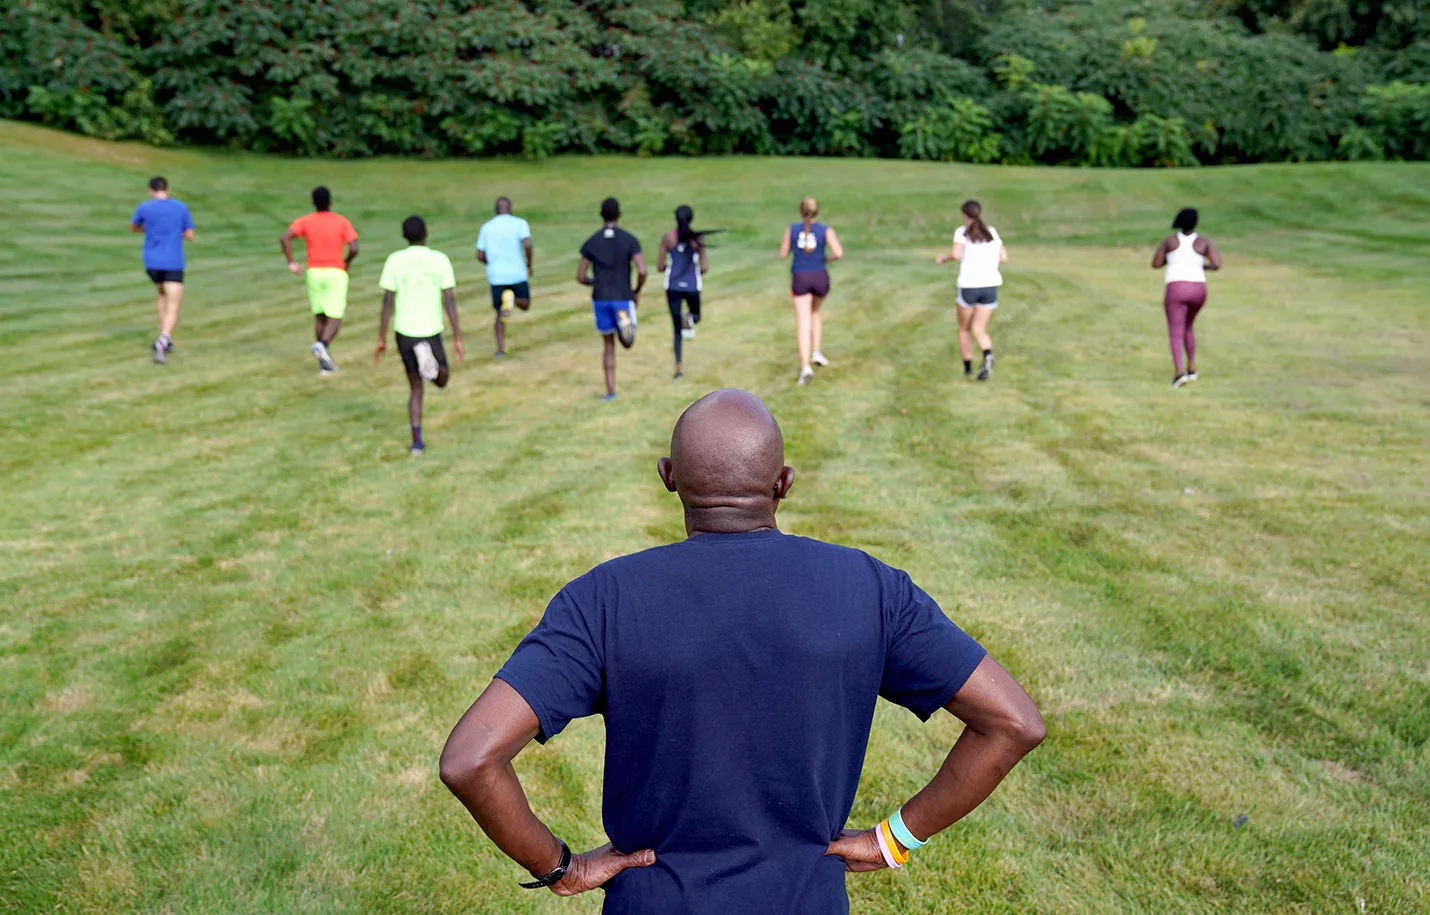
x=325 y=360
x=1191 y=376
x=818 y=359
x=426 y=362
x=806 y=375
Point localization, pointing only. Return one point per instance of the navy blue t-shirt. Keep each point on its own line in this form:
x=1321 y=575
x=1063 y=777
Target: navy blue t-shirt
x=737 y=674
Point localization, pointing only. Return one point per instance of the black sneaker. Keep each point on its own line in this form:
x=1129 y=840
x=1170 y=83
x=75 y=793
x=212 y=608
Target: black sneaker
x=1181 y=379
x=170 y=347
x=159 y=356
x=986 y=371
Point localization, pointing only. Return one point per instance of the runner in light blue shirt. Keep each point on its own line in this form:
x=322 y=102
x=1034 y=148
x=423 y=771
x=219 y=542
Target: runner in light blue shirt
x=504 y=245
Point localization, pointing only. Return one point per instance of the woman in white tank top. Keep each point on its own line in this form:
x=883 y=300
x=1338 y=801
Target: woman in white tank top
x=979 y=252
x=1187 y=257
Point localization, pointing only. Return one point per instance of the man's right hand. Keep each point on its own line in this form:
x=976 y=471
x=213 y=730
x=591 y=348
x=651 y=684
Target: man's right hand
x=377 y=353
x=860 y=850
x=592 y=869
x=295 y=268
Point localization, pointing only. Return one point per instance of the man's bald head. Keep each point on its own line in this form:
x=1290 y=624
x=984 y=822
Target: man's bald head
x=727 y=462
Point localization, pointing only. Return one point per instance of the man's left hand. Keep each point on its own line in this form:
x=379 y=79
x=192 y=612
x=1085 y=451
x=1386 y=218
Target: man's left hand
x=592 y=869
x=860 y=850
x=459 y=349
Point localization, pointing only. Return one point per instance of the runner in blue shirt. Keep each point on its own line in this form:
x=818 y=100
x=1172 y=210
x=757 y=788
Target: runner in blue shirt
x=738 y=672
x=682 y=260
x=504 y=245
x=165 y=224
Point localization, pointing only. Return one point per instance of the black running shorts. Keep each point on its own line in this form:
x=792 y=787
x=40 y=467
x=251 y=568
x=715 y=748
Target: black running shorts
x=981 y=296
x=810 y=282
x=165 y=276
x=405 y=346
x=520 y=290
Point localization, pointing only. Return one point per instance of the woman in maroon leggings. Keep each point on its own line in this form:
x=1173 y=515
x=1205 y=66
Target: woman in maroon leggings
x=1187 y=256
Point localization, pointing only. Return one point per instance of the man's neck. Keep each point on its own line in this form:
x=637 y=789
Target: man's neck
x=161 y=195
x=613 y=224
x=717 y=521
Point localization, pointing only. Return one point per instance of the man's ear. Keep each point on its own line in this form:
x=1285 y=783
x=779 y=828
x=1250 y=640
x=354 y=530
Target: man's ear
x=784 y=482
x=667 y=473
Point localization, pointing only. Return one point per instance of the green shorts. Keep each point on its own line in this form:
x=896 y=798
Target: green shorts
x=328 y=291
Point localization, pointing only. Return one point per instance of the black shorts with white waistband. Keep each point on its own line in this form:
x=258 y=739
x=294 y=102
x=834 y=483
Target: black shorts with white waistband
x=407 y=347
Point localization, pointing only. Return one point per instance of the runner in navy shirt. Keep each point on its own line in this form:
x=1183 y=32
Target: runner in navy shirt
x=738 y=672
x=165 y=224
x=683 y=261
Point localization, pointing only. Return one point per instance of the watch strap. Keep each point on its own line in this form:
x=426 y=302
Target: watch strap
x=556 y=875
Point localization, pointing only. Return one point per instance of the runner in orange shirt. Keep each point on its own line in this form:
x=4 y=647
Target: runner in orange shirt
x=332 y=245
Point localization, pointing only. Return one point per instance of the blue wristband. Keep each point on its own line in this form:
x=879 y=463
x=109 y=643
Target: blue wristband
x=901 y=832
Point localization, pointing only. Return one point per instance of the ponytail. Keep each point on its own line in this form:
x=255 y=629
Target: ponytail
x=683 y=233
x=977 y=230
x=808 y=210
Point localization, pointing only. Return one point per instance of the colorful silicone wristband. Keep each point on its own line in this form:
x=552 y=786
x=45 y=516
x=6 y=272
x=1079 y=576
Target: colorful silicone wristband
x=889 y=858
x=901 y=832
x=900 y=856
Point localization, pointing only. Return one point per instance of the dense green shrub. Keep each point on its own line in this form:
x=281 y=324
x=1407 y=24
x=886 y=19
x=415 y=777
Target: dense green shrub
x=1123 y=83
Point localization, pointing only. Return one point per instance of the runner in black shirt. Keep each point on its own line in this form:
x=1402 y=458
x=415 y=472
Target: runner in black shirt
x=610 y=252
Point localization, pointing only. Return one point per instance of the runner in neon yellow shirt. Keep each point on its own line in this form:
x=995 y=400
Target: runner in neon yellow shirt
x=418 y=284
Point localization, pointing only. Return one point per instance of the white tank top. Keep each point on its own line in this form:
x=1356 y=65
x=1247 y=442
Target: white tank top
x=978 y=268
x=1184 y=264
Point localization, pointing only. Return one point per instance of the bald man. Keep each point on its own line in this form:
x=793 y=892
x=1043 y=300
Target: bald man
x=738 y=671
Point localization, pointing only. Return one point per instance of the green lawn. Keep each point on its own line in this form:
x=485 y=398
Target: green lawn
x=238 y=620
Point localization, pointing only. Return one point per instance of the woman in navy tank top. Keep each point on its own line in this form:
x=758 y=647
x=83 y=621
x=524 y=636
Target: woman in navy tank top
x=814 y=245
x=682 y=260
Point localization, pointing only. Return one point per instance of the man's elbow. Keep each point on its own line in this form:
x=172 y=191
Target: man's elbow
x=463 y=769
x=1027 y=730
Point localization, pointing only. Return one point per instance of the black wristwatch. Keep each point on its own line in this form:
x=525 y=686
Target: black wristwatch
x=556 y=875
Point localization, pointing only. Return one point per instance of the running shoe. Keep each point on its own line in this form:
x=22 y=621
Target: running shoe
x=608 y=398
x=626 y=329
x=968 y=373
x=499 y=355
x=325 y=361
x=508 y=299
x=679 y=374
x=985 y=372
x=417 y=450
x=324 y=373
x=169 y=347
x=806 y=375
x=687 y=326
x=1181 y=380
x=1191 y=376
x=818 y=359
x=426 y=362
x=159 y=357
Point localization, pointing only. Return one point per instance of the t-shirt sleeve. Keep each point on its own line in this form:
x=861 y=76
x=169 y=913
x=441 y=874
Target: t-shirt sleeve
x=958 y=235
x=389 y=277
x=188 y=219
x=586 y=250
x=525 y=230
x=299 y=226
x=558 y=668
x=449 y=277
x=928 y=658
x=482 y=238
x=635 y=244
x=349 y=233
x=138 y=217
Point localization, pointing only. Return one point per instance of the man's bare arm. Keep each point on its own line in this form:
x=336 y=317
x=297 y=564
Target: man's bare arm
x=351 y=255
x=389 y=301
x=526 y=249
x=481 y=256
x=137 y=228
x=477 y=767
x=449 y=302
x=583 y=271
x=1002 y=725
x=639 y=260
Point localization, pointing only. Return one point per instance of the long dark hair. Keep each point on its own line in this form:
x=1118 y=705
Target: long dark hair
x=977 y=231
x=683 y=233
x=1186 y=221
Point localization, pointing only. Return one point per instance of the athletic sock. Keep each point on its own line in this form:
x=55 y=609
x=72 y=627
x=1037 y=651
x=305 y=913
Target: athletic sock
x=987 y=353
x=968 y=365
x=417 y=436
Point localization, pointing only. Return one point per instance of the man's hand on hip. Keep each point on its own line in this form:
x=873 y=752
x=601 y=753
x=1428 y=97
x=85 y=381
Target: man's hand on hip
x=593 y=868
x=860 y=850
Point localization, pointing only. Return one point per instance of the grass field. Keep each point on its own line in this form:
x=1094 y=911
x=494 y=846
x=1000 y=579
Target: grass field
x=238 y=620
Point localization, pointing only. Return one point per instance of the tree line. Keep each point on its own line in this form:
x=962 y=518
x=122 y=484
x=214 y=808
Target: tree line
x=1083 y=82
